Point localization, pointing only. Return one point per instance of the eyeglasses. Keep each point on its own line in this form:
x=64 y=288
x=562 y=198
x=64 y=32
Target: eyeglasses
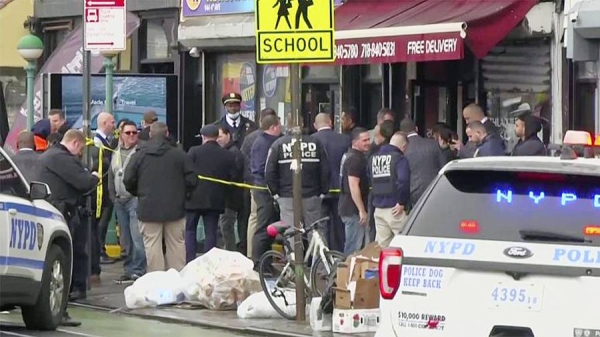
x=130 y=133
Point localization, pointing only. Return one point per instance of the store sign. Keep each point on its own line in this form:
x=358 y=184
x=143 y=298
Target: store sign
x=211 y=7
x=191 y=8
x=295 y=31
x=404 y=48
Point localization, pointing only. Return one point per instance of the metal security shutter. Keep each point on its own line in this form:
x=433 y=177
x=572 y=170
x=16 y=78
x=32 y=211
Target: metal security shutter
x=515 y=73
x=518 y=67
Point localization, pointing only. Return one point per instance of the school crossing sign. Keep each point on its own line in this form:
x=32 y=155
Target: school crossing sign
x=294 y=31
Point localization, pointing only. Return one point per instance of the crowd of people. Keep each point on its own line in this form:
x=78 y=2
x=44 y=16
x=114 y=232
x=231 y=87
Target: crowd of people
x=366 y=181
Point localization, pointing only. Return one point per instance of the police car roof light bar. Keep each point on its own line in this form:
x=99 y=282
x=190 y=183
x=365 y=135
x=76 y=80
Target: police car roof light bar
x=575 y=137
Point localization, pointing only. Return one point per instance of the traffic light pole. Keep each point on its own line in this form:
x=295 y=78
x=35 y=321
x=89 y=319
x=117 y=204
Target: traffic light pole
x=297 y=193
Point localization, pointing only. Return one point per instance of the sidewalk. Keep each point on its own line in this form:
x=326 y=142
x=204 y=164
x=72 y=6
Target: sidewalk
x=109 y=296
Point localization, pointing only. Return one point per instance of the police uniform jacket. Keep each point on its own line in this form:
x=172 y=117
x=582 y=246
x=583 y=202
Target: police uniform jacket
x=244 y=126
x=279 y=173
x=211 y=160
x=390 y=177
x=65 y=175
x=336 y=146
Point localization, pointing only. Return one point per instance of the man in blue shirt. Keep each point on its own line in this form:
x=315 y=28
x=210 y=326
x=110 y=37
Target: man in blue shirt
x=265 y=208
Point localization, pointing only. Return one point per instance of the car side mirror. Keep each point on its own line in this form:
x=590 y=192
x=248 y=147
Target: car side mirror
x=39 y=191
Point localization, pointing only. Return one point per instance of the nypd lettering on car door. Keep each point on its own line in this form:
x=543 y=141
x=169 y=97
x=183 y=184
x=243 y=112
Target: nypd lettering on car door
x=549 y=254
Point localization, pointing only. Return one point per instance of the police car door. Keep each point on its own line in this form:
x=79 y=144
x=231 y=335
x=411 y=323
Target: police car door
x=21 y=255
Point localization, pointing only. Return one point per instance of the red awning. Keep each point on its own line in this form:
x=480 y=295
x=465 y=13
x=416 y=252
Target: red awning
x=387 y=31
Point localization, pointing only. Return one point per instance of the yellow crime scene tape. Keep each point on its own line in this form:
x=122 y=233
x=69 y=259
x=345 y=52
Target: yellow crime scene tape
x=90 y=142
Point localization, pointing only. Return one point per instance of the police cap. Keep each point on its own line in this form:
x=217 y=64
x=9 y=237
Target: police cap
x=232 y=97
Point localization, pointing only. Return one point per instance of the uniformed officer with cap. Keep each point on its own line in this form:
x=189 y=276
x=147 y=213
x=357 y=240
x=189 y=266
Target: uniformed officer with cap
x=238 y=125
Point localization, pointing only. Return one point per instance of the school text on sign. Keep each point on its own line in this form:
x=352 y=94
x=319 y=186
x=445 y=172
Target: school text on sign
x=295 y=31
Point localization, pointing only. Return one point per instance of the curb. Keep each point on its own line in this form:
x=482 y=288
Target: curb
x=203 y=324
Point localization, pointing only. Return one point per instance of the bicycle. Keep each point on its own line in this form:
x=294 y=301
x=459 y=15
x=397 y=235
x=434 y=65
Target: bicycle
x=322 y=260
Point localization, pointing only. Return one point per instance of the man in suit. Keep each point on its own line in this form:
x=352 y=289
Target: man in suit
x=26 y=158
x=474 y=113
x=349 y=120
x=235 y=202
x=425 y=159
x=238 y=125
x=385 y=114
x=209 y=198
x=102 y=207
x=335 y=145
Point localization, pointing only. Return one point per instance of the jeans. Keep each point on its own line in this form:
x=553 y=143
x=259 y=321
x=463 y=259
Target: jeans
x=126 y=210
x=355 y=234
x=266 y=214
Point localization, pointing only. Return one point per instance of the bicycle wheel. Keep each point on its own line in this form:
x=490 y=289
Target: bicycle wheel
x=278 y=289
x=320 y=272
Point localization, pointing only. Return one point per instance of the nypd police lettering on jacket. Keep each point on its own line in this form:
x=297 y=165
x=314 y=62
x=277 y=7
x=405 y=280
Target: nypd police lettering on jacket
x=280 y=167
x=383 y=173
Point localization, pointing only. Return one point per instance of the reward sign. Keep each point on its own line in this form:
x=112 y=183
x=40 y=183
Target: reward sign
x=294 y=31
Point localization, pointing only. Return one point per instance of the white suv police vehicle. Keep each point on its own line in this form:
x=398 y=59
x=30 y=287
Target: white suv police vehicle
x=499 y=246
x=35 y=250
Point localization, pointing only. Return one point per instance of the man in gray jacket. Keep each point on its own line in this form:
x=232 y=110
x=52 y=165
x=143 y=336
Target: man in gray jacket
x=126 y=204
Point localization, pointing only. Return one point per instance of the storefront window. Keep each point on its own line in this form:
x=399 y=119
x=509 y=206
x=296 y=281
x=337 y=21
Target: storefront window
x=13 y=84
x=157 y=45
x=237 y=73
x=274 y=90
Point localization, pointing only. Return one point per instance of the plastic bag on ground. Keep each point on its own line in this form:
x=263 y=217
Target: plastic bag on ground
x=154 y=289
x=258 y=306
x=220 y=279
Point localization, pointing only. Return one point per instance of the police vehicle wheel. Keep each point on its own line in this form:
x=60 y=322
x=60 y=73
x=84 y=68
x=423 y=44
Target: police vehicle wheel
x=47 y=313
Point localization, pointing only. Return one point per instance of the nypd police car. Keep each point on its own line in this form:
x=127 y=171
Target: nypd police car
x=35 y=250
x=499 y=246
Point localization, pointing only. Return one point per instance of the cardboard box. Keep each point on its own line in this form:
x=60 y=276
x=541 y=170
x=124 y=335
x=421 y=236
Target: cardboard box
x=355 y=321
x=366 y=295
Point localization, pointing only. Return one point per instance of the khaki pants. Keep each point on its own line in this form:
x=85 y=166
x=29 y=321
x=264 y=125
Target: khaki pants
x=252 y=221
x=387 y=225
x=173 y=233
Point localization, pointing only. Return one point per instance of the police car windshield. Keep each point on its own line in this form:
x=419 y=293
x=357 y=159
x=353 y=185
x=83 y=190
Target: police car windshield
x=496 y=205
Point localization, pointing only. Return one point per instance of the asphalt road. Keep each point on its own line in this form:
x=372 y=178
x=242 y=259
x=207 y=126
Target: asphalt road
x=104 y=324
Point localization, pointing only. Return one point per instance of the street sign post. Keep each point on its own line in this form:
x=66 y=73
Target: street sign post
x=104 y=25
x=299 y=31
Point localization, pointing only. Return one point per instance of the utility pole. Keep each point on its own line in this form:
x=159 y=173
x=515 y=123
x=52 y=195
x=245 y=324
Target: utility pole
x=109 y=68
x=87 y=159
x=297 y=193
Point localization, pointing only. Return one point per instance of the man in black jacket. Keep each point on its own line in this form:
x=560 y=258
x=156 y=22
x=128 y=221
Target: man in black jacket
x=234 y=205
x=161 y=176
x=526 y=128
x=26 y=159
x=425 y=158
x=209 y=198
x=335 y=145
x=238 y=125
x=474 y=113
x=68 y=180
x=279 y=176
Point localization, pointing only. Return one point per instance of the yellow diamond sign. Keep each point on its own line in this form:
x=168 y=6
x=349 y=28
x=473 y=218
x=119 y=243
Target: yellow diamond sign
x=294 y=31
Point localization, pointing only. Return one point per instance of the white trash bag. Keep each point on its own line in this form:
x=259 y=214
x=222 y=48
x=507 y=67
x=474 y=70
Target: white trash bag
x=258 y=306
x=220 y=279
x=154 y=289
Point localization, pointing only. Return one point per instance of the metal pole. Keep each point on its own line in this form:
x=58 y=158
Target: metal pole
x=30 y=70
x=87 y=159
x=297 y=193
x=109 y=68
